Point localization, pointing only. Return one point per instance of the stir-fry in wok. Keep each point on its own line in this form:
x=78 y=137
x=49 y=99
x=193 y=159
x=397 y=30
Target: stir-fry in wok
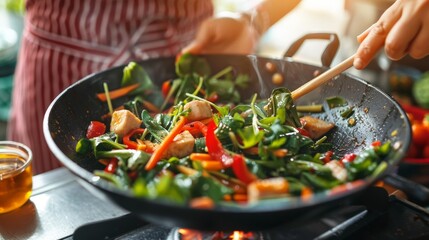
x=196 y=142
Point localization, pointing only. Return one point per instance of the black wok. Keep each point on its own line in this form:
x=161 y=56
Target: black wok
x=377 y=115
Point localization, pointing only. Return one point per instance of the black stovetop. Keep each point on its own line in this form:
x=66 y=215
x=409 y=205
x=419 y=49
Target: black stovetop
x=389 y=218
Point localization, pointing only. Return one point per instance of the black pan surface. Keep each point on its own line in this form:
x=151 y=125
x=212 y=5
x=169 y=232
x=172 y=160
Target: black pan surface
x=378 y=117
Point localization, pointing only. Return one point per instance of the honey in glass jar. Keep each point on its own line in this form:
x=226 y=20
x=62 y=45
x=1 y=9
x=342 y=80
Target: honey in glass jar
x=15 y=175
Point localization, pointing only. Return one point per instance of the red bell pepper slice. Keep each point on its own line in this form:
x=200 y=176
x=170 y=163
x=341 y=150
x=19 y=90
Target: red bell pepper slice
x=214 y=146
x=328 y=156
x=348 y=158
x=240 y=170
x=127 y=138
x=214 y=97
x=95 y=129
x=165 y=89
x=112 y=166
x=376 y=144
x=196 y=128
x=303 y=132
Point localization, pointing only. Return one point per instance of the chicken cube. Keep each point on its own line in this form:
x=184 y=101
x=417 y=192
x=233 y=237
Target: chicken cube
x=124 y=121
x=316 y=127
x=338 y=170
x=267 y=188
x=182 y=146
x=198 y=110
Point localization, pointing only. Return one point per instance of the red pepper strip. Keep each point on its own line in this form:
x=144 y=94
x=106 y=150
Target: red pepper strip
x=196 y=128
x=165 y=89
x=112 y=166
x=215 y=148
x=328 y=156
x=303 y=132
x=348 y=158
x=240 y=170
x=214 y=97
x=133 y=175
x=95 y=129
x=127 y=138
x=376 y=144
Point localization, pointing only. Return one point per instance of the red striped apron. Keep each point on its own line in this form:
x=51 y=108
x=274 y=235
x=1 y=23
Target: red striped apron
x=65 y=40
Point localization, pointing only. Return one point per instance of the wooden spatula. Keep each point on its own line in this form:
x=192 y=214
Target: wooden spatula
x=322 y=78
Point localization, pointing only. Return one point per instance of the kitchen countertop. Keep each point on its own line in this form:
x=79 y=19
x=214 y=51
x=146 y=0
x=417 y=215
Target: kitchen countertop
x=59 y=204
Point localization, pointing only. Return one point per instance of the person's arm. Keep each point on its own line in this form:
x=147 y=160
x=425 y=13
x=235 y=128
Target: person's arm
x=402 y=29
x=238 y=33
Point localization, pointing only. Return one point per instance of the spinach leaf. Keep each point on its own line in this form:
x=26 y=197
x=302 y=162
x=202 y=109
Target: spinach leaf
x=280 y=104
x=207 y=186
x=156 y=130
x=188 y=64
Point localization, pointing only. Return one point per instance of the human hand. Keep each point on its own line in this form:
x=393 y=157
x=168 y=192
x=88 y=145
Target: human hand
x=402 y=29
x=230 y=33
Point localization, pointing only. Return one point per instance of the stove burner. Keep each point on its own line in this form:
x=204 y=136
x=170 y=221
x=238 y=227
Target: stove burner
x=382 y=217
x=187 y=234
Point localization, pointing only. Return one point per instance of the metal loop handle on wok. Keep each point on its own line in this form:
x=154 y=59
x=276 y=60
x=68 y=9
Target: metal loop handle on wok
x=329 y=52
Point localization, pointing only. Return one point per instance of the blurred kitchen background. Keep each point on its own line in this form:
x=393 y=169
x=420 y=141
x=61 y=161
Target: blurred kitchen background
x=346 y=18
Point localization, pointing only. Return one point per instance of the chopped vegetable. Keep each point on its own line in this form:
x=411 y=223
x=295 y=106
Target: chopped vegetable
x=157 y=155
x=421 y=91
x=95 y=129
x=198 y=152
x=120 y=92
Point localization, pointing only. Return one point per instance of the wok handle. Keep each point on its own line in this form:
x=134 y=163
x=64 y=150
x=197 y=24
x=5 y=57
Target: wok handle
x=416 y=192
x=327 y=55
x=109 y=228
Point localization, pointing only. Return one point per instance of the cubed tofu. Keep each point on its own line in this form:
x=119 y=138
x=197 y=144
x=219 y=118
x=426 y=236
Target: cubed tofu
x=182 y=146
x=316 y=127
x=124 y=121
x=199 y=110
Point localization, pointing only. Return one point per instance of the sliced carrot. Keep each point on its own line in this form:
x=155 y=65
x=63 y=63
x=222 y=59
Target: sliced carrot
x=212 y=165
x=200 y=157
x=104 y=161
x=117 y=93
x=186 y=170
x=207 y=162
x=206 y=120
x=238 y=197
x=109 y=115
x=280 y=152
x=151 y=107
x=202 y=202
x=190 y=171
x=252 y=150
x=157 y=154
x=306 y=193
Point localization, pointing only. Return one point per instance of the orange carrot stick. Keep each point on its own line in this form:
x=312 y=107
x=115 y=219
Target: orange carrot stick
x=157 y=154
x=202 y=202
x=238 y=197
x=206 y=161
x=306 y=193
x=151 y=107
x=212 y=165
x=120 y=92
x=200 y=157
x=186 y=170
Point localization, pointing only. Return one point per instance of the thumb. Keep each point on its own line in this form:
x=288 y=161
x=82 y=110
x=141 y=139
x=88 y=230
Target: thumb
x=193 y=48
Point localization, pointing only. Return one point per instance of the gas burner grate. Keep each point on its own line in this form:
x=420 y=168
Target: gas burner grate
x=397 y=219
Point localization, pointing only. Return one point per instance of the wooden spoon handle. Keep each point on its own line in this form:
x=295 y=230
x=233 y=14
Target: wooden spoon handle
x=322 y=78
